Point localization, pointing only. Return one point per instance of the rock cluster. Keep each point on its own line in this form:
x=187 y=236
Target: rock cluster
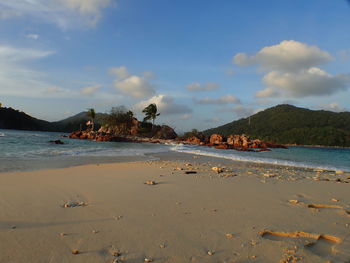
x=236 y=142
x=165 y=134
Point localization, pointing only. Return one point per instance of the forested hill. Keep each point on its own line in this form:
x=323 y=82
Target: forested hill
x=14 y=119
x=287 y=124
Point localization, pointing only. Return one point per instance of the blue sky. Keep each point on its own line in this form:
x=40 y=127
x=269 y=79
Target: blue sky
x=204 y=63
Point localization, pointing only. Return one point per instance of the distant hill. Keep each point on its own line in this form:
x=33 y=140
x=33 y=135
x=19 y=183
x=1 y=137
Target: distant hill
x=73 y=123
x=287 y=124
x=14 y=119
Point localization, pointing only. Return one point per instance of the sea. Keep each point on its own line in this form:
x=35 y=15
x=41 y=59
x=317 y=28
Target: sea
x=31 y=150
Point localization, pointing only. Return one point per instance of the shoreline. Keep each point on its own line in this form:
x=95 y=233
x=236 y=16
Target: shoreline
x=164 y=156
x=202 y=217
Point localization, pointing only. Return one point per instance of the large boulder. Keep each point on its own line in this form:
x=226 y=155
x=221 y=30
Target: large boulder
x=193 y=140
x=216 y=139
x=165 y=132
x=234 y=140
x=245 y=141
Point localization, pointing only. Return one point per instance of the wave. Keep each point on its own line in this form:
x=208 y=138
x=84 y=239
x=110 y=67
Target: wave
x=2 y=134
x=240 y=158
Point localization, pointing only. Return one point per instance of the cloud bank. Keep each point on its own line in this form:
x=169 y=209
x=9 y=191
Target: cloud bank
x=63 y=13
x=227 y=99
x=293 y=71
x=166 y=106
x=134 y=86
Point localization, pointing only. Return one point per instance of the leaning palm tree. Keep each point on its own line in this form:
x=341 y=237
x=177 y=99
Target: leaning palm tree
x=91 y=114
x=151 y=113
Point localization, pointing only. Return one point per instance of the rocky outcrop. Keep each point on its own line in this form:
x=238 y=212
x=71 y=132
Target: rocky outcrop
x=165 y=132
x=98 y=136
x=193 y=140
x=216 y=139
x=56 y=142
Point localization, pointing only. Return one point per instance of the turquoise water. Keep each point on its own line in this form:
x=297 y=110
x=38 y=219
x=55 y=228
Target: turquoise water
x=28 y=150
x=31 y=150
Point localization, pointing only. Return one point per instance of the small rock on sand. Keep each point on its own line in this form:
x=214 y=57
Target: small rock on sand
x=151 y=183
x=217 y=169
x=229 y=235
x=75 y=252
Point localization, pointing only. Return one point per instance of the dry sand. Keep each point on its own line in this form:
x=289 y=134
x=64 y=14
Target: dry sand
x=202 y=217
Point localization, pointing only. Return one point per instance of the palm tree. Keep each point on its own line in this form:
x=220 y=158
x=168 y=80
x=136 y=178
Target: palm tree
x=151 y=113
x=91 y=114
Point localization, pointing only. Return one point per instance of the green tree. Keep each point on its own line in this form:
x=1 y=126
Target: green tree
x=121 y=118
x=92 y=114
x=151 y=113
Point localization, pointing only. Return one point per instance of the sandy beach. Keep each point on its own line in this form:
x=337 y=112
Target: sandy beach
x=108 y=213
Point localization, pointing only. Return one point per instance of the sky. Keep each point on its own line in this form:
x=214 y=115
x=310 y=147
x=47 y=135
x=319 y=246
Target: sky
x=204 y=63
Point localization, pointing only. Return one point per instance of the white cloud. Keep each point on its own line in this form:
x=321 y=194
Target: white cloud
x=165 y=104
x=90 y=90
x=64 y=13
x=293 y=72
x=311 y=82
x=227 y=99
x=120 y=72
x=289 y=55
x=33 y=36
x=135 y=86
x=17 y=79
x=205 y=87
x=334 y=106
x=132 y=85
x=15 y=55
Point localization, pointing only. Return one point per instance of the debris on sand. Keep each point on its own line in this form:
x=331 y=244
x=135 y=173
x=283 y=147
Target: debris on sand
x=324 y=206
x=74 y=204
x=210 y=253
x=217 y=169
x=151 y=183
x=229 y=235
x=269 y=175
x=75 y=252
x=148 y=260
x=228 y=175
x=190 y=172
x=301 y=234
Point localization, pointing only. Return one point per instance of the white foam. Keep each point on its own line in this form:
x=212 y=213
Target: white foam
x=236 y=157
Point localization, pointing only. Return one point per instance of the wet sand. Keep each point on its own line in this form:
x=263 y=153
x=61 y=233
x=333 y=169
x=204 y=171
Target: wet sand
x=106 y=213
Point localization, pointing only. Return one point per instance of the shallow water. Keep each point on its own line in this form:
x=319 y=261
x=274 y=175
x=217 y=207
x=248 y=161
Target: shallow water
x=29 y=150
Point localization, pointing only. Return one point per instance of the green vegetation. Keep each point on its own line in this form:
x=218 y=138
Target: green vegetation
x=120 y=119
x=193 y=133
x=288 y=124
x=92 y=114
x=151 y=112
x=14 y=119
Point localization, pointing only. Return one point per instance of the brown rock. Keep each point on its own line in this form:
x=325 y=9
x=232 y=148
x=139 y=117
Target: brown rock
x=165 y=132
x=193 y=140
x=216 y=139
